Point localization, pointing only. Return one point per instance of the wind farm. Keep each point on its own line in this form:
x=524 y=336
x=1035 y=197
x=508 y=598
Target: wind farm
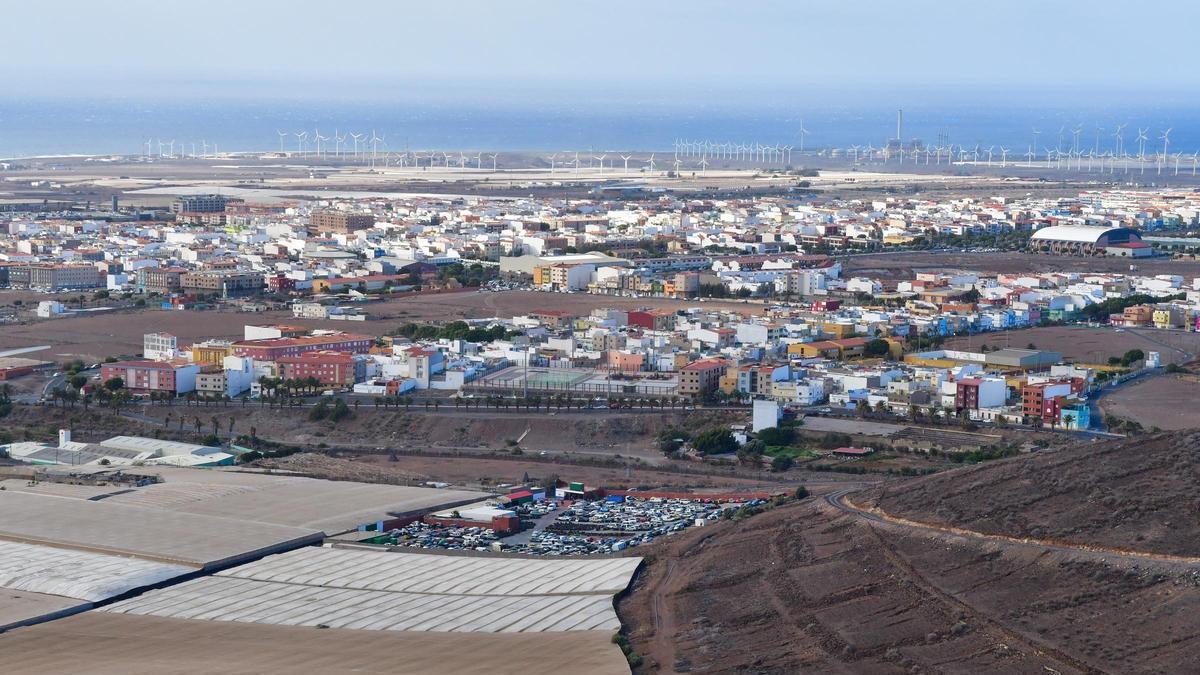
x=1123 y=151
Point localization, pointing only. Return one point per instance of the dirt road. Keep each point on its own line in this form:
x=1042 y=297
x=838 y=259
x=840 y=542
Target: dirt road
x=840 y=500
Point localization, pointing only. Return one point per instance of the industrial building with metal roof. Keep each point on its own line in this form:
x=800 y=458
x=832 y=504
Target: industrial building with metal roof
x=1081 y=239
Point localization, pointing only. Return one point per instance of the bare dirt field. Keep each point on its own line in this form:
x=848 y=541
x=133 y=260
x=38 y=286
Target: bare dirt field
x=1083 y=344
x=487 y=472
x=473 y=305
x=99 y=644
x=1167 y=402
x=97 y=336
x=901 y=265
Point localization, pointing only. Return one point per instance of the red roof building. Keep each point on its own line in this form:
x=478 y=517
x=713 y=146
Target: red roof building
x=337 y=369
x=273 y=349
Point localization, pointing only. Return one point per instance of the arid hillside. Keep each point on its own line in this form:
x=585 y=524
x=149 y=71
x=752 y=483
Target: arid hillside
x=823 y=587
x=1139 y=494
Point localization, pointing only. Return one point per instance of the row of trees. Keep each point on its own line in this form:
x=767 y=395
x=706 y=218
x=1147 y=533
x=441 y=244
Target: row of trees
x=561 y=401
x=455 y=330
x=198 y=425
x=291 y=386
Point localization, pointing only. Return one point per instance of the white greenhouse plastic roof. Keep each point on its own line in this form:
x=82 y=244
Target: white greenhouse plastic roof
x=78 y=574
x=368 y=590
x=430 y=573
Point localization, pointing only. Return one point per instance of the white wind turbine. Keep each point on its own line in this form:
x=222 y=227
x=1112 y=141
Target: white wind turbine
x=374 y=143
x=651 y=162
x=300 y=137
x=1166 y=139
x=1141 y=141
x=281 y=135
x=802 y=133
x=1003 y=157
x=601 y=159
x=703 y=164
x=320 y=138
x=626 y=158
x=356 y=138
x=493 y=156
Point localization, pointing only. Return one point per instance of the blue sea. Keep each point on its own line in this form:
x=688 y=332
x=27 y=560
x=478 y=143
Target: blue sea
x=119 y=126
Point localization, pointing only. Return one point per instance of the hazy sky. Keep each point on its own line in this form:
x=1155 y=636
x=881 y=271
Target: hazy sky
x=508 y=50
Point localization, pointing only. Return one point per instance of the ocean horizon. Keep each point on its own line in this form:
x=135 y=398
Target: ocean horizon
x=103 y=127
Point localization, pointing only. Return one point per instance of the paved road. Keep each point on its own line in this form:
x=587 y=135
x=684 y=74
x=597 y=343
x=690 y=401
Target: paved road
x=838 y=501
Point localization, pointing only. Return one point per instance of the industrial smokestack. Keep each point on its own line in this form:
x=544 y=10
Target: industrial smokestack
x=900 y=125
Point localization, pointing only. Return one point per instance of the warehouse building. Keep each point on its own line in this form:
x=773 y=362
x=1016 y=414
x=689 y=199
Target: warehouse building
x=1086 y=240
x=1025 y=359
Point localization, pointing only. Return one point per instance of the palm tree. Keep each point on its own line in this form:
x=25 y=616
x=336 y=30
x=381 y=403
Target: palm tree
x=215 y=425
x=198 y=424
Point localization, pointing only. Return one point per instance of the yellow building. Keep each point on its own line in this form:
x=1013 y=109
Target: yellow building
x=895 y=348
x=837 y=330
x=212 y=352
x=1168 y=317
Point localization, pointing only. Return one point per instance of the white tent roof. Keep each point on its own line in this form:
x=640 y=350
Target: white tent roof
x=1081 y=233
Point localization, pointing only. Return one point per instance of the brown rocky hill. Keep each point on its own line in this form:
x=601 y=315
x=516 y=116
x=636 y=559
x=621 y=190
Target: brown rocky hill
x=1140 y=493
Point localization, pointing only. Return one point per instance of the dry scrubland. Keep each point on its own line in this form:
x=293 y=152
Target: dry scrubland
x=828 y=591
x=604 y=433
x=1138 y=493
